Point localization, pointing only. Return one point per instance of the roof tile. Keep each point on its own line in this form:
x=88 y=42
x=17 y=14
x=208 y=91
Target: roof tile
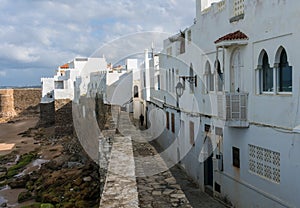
x=238 y=35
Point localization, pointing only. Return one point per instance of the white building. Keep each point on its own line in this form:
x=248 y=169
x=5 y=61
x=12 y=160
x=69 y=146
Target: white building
x=61 y=86
x=235 y=128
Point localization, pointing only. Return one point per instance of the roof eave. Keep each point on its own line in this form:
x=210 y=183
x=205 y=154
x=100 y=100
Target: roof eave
x=230 y=43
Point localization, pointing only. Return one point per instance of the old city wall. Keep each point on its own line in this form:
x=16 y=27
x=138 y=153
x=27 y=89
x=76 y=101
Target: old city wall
x=59 y=114
x=16 y=101
x=63 y=117
x=7 y=103
x=26 y=99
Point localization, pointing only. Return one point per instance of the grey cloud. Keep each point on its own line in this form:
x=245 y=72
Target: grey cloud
x=44 y=34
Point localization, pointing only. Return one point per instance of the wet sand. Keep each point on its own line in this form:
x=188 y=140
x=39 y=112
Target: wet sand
x=11 y=140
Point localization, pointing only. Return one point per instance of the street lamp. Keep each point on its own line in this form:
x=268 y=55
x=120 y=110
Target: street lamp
x=179 y=92
x=179 y=89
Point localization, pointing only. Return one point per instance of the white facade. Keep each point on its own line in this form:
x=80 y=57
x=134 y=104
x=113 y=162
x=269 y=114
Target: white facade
x=234 y=129
x=61 y=86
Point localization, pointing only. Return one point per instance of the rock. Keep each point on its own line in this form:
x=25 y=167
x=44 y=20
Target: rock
x=3 y=169
x=74 y=164
x=87 y=179
x=19 y=182
x=178 y=196
x=52 y=165
x=78 y=181
x=3 y=202
x=156 y=193
x=47 y=206
x=168 y=191
x=24 y=196
x=170 y=180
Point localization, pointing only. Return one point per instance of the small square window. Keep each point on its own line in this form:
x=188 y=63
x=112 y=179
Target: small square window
x=236 y=157
x=217 y=187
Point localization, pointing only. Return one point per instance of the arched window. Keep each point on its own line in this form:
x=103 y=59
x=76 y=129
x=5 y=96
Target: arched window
x=266 y=74
x=209 y=77
x=136 y=91
x=220 y=75
x=285 y=77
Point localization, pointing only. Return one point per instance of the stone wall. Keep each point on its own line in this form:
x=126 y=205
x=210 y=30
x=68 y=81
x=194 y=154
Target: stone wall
x=63 y=117
x=47 y=114
x=7 y=103
x=19 y=101
x=26 y=99
x=101 y=110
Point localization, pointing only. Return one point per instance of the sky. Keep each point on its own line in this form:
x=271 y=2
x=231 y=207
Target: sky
x=37 y=36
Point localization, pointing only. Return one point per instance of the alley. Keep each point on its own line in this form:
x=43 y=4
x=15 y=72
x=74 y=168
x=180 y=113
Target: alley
x=156 y=184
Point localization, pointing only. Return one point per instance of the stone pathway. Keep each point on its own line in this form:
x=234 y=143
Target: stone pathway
x=145 y=179
x=120 y=189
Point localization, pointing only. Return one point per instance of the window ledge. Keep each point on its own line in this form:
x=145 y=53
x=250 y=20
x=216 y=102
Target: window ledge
x=288 y=94
x=267 y=93
x=285 y=93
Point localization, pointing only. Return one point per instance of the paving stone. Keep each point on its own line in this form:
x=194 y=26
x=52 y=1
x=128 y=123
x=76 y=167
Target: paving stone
x=150 y=183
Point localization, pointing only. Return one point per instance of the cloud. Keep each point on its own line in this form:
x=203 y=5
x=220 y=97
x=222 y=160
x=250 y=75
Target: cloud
x=44 y=34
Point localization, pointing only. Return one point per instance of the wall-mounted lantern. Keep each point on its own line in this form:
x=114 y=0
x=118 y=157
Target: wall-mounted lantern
x=179 y=92
x=190 y=79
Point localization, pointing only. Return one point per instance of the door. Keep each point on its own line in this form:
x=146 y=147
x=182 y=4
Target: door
x=208 y=163
x=235 y=71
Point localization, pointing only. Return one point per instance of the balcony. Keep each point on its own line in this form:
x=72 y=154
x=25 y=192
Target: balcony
x=233 y=109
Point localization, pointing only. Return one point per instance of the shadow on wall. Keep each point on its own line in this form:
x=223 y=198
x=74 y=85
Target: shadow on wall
x=59 y=114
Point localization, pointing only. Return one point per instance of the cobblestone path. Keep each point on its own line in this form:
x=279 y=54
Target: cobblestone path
x=169 y=188
x=153 y=185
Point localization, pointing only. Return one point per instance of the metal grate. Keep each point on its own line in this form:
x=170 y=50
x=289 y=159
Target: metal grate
x=264 y=163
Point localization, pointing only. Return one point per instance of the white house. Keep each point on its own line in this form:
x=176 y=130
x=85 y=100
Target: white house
x=61 y=86
x=233 y=124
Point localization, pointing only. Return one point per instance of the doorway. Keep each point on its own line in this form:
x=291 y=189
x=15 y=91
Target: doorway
x=208 y=166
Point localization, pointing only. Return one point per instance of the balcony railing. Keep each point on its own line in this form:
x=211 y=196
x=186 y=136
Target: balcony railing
x=233 y=108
